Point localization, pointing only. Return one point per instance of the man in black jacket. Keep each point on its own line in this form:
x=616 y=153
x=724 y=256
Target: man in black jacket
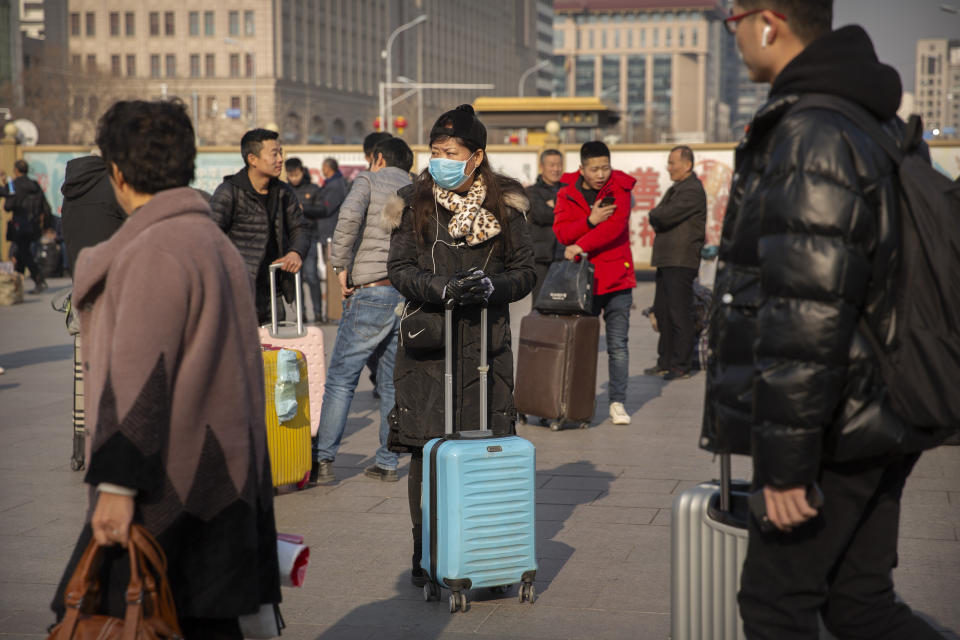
x=543 y=197
x=90 y=212
x=24 y=197
x=810 y=247
x=308 y=193
x=262 y=216
x=680 y=222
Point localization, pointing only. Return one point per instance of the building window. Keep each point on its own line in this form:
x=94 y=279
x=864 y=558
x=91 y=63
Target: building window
x=248 y=27
x=75 y=62
x=234 y=65
x=210 y=65
x=610 y=77
x=75 y=24
x=235 y=102
x=171 y=65
x=114 y=23
x=92 y=63
x=78 y=103
x=154 y=66
x=248 y=65
x=636 y=82
x=643 y=38
x=629 y=38
x=559 y=76
x=233 y=23
x=680 y=39
x=211 y=106
x=616 y=39
x=662 y=90
x=194 y=65
x=603 y=39
x=590 y=44
x=93 y=107
x=129 y=23
x=668 y=37
x=115 y=67
x=91 y=24
x=208 y=23
x=558 y=38
x=250 y=105
x=584 y=76
x=193 y=18
x=154 y=23
x=131 y=66
x=168 y=23
x=656 y=37
x=694 y=36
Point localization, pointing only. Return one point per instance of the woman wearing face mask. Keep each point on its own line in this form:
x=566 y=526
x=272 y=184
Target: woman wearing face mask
x=459 y=236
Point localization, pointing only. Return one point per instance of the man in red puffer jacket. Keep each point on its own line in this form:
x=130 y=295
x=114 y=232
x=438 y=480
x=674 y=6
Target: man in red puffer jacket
x=592 y=216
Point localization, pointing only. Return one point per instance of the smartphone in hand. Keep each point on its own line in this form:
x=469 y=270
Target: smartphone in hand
x=606 y=202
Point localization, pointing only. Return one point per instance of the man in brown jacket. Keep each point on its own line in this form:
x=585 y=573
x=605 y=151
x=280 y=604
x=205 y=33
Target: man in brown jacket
x=680 y=222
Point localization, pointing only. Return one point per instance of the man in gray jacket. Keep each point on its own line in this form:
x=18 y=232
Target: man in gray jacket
x=680 y=222
x=369 y=324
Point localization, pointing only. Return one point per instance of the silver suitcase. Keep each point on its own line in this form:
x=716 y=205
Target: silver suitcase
x=708 y=546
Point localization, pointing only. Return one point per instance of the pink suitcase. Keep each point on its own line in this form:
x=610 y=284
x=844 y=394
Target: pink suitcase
x=308 y=340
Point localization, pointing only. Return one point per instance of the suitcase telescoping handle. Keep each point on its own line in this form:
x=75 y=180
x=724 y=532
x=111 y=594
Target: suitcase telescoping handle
x=448 y=368
x=274 y=325
x=725 y=482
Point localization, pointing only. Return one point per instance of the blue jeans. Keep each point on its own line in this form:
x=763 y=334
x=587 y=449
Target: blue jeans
x=311 y=280
x=616 y=318
x=368 y=325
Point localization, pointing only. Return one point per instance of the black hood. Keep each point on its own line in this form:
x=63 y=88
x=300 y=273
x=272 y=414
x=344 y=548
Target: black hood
x=843 y=63
x=82 y=175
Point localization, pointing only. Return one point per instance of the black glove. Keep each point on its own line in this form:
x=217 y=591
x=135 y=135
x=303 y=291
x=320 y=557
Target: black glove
x=478 y=291
x=468 y=287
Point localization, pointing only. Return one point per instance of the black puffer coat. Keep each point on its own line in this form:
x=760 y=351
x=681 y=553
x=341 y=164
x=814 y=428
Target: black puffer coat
x=238 y=210
x=810 y=243
x=90 y=211
x=418 y=378
x=540 y=219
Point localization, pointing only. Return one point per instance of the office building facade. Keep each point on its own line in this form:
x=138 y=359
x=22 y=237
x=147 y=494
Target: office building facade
x=937 y=95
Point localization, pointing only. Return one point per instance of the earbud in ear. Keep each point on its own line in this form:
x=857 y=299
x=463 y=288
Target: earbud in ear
x=765 y=37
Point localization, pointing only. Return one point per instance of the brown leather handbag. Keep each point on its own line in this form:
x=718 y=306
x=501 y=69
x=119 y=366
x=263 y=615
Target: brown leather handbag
x=150 y=613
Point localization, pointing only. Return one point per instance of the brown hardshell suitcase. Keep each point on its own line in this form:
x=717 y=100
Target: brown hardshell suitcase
x=557 y=368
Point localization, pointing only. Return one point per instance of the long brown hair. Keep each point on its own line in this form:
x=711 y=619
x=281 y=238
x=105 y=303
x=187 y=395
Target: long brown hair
x=497 y=185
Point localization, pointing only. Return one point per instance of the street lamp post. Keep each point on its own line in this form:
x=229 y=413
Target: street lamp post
x=526 y=74
x=253 y=74
x=418 y=87
x=385 y=110
x=406 y=80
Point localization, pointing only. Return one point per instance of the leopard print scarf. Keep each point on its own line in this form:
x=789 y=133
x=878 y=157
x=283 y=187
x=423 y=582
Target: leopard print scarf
x=470 y=220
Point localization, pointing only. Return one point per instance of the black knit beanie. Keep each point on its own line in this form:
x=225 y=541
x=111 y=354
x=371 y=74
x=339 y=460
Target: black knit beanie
x=460 y=123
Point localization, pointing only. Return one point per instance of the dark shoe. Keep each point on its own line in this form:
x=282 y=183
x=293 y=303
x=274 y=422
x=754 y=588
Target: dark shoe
x=379 y=473
x=677 y=374
x=655 y=371
x=40 y=288
x=322 y=472
x=418 y=577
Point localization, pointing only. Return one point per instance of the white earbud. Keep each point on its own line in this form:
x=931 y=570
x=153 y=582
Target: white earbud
x=765 y=37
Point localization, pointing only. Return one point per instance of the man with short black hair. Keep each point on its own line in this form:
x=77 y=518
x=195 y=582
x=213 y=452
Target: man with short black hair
x=369 y=144
x=808 y=258
x=24 y=197
x=368 y=328
x=680 y=222
x=592 y=216
x=263 y=217
x=307 y=192
x=543 y=198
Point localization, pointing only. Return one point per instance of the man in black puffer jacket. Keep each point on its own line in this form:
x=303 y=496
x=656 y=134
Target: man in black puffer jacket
x=263 y=217
x=810 y=245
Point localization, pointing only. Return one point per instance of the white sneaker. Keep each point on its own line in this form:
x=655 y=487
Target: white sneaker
x=619 y=415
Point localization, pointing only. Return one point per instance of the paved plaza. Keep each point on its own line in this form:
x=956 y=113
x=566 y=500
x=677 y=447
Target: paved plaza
x=603 y=511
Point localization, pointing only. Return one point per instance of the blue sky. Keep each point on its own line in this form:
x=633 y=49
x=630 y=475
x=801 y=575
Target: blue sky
x=896 y=25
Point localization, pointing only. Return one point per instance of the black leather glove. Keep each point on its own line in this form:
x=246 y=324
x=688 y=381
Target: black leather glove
x=468 y=287
x=478 y=291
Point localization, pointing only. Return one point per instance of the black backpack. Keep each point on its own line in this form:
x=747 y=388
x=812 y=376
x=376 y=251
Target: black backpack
x=921 y=364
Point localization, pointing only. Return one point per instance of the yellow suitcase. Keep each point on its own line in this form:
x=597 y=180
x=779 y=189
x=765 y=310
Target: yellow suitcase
x=288 y=442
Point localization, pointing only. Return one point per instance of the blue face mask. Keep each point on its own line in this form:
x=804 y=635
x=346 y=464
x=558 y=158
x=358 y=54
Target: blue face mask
x=448 y=174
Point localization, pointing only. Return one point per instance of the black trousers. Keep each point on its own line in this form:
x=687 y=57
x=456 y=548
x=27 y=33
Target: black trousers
x=25 y=259
x=673 y=306
x=838 y=565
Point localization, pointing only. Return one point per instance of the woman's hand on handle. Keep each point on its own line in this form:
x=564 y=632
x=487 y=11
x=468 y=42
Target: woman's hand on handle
x=112 y=518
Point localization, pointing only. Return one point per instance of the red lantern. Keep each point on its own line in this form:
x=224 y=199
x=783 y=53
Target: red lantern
x=514 y=138
x=400 y=122
x=376 y=124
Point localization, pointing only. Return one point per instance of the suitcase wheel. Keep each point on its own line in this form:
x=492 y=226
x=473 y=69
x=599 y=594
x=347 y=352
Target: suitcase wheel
x=556 y=425
x=458 y=600
x=544 y=422
x=76 y=464
x=431 y=591
x=527 y=593
x=584 y=425
x=522 y=418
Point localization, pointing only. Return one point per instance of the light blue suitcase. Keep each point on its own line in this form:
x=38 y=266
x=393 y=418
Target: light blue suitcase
x=478 y=502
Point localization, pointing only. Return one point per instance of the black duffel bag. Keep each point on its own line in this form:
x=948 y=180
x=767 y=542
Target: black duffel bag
x=567 y=288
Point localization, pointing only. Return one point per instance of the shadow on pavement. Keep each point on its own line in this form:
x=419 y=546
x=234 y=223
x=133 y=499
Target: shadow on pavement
x=4 y=387
x=52 y=353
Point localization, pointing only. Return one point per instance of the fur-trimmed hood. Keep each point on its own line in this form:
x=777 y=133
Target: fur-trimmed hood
x=393 y=210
